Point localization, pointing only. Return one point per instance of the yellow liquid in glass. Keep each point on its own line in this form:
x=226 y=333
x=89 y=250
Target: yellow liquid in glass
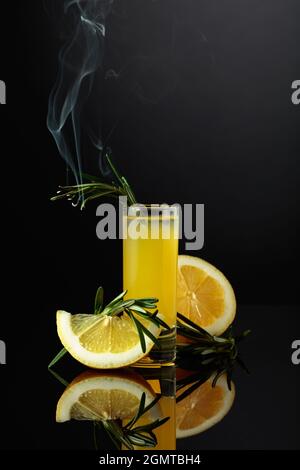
x=150 y=264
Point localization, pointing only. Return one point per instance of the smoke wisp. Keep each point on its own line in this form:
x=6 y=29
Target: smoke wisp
x=79 y=59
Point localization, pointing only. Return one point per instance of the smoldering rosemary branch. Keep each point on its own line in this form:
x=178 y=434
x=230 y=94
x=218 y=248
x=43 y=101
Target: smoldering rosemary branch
x=95 y=188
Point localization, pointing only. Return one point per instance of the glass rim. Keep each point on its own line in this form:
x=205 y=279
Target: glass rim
x=152 y=210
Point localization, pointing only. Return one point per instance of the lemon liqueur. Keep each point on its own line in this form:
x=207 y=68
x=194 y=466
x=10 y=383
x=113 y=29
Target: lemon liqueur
x=150 y=252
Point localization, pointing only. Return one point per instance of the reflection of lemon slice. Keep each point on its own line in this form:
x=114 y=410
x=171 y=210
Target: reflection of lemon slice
x=203 y=408
x=103 y=396
x=102 y=342
x=204 y=295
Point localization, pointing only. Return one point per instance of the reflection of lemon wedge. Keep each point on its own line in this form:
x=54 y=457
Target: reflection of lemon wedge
x=103 y=396
x=203 y=408
x=103 y=342
x=204 y=295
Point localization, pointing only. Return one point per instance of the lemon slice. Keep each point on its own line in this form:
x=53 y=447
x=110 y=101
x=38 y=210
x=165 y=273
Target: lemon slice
x=203 y=408
x=103 y=342
x=103 y=396
x=204 y=295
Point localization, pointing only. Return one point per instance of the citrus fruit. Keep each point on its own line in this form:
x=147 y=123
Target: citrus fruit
x=103 y=342
x=204 y=295
x=203 y=408
x=103 y=396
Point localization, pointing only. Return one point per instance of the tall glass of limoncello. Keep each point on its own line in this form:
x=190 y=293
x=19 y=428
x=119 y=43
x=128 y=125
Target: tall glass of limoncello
x=150 y=251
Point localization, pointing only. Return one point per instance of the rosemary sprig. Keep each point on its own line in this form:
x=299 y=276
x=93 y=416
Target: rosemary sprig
x=96 y=188
x=208 y=355
x=137 y=308
x=134 y=308
x=57 y=358
x=132 y=435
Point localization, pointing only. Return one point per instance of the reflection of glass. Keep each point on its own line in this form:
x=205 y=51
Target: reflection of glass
x=150 y=250
x=162 y=381
x=133 y=412
x=200 y=405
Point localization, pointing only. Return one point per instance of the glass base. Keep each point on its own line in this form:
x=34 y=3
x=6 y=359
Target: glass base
x=163 y=355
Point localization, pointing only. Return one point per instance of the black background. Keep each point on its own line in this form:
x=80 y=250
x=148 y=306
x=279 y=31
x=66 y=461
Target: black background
x=218 y=127
x=221 y=130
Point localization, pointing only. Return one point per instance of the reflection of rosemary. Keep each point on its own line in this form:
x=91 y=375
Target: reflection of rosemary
x=206 y=354
x=96 y=188
x=132 y=435
x=134 y=308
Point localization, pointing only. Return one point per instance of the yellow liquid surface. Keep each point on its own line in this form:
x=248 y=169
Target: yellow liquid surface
x=150 y=264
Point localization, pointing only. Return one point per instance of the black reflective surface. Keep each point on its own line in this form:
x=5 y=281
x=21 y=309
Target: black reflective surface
x=265 y=413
